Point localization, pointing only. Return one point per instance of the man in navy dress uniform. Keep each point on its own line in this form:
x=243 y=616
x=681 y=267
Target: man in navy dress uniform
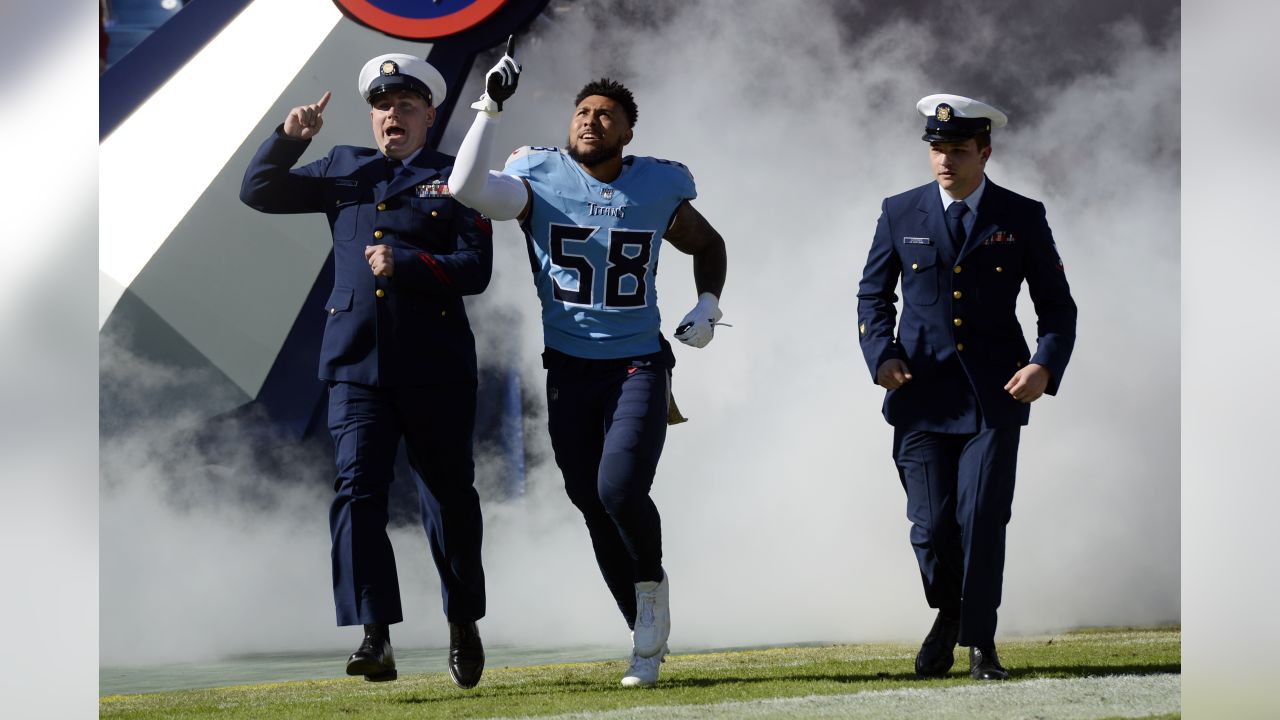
x=959 y=375
x=398 y=353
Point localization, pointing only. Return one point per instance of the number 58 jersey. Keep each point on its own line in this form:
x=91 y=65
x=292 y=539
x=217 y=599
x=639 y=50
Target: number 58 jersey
x=594 y=249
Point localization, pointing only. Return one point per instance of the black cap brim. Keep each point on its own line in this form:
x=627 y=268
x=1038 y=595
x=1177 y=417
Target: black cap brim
x=939 y=136
x=954 y=128
x=391 y=83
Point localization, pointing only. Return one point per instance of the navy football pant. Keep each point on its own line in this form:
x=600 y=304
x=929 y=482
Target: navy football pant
x=436 y=422
x=608 y=422
x=959 y=500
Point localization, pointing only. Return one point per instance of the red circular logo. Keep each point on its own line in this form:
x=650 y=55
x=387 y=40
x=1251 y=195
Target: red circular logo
x=417 y=20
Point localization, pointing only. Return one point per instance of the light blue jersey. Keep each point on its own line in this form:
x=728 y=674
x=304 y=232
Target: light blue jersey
x=594 y=249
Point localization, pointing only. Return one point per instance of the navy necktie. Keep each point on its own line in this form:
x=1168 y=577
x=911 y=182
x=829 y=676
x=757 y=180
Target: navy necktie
x=955 y=223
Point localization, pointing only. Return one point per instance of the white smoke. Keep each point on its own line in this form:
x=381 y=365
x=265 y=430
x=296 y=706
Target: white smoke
x=783 y=519
x=782 y=515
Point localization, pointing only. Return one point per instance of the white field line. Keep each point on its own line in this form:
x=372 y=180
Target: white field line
x=1075 y=699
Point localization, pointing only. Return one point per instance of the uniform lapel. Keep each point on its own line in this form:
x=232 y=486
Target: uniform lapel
x=373 y=171
x=985 y=225
x=934 y=221
x=415 y=173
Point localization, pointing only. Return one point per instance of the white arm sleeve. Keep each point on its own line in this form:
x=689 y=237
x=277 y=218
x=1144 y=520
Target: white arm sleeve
x=499 y=196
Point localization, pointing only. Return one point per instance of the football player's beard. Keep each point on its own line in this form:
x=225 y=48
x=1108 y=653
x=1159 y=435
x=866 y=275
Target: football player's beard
x=592 y=158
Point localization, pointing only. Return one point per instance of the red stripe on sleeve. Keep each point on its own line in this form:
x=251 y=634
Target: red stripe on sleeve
x=436 y=268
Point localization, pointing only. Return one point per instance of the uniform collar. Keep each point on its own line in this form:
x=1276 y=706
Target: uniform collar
x=409 y=160
x=972 y=200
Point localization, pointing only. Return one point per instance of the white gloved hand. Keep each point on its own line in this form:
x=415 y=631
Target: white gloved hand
x=699 y=326
x=500 y=82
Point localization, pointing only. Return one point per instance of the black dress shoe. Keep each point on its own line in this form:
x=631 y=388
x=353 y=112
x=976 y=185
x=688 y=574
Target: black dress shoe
x=937 y=653
x=374 y=658
x=466 y=655
x=984 y=664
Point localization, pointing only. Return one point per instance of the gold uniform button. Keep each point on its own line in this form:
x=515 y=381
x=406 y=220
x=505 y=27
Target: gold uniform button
x=333 y=311
x=915 y=266
x=958 y=322
x=956 y=269
x=382 y=206
x=379 y=292
x=435 y=213
x=960 y=347
x=377 y=234
x=442 y=313
x=1018 y=364
x=999 y=269
x=957 y=294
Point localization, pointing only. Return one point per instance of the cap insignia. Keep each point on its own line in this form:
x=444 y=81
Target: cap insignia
x=944 y=113
x=389 y=68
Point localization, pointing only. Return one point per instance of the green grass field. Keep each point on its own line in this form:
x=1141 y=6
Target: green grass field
x=1056 y=676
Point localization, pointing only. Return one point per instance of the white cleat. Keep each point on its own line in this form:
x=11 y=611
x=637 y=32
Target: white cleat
x=653 y=617
x=643 y=671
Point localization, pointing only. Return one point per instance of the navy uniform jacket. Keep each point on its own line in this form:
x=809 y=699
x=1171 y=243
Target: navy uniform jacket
x=959 y=334
x=411 y=328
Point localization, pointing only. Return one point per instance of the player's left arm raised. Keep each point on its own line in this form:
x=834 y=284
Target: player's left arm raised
x=497 y=195
x=691 y=234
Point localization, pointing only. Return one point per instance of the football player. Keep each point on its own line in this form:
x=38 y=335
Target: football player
x=594 y=220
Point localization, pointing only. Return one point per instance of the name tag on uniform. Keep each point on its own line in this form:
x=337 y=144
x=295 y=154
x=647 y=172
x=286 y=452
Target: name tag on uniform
x=1000 y=238
x=916 y=241
x=433 y=189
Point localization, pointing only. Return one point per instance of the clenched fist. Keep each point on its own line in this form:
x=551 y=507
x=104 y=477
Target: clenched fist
x=893 y=374
x=380 y=260
x=1029 y=383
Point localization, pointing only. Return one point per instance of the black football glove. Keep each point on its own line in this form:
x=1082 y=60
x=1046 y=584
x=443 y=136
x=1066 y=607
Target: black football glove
x=500 y=82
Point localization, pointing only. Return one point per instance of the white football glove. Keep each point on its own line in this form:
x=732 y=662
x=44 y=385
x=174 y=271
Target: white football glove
x=500 y=82
x=699 y=326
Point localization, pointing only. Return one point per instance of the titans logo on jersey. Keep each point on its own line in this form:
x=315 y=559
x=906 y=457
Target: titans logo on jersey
x=594 y=249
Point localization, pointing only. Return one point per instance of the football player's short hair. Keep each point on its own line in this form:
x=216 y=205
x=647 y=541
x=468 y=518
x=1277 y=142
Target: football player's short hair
x=613 y=90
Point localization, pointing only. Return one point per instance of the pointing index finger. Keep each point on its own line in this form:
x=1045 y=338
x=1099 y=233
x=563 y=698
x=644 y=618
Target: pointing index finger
x=324 y=100
x=511 y=46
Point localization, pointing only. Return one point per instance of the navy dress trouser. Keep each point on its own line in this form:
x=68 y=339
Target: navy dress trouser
x=608 y=423
x=436 y=422
x=959 y=500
